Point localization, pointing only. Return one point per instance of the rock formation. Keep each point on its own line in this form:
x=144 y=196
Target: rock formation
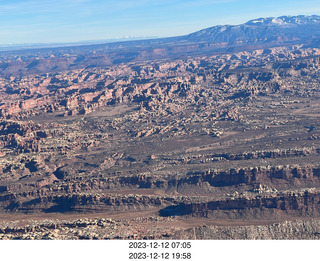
x=216 y=131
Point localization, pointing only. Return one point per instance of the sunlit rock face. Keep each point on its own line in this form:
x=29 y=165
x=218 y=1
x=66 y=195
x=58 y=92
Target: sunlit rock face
x=216 y=128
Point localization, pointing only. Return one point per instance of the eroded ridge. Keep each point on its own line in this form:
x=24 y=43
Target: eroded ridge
x=210 y=140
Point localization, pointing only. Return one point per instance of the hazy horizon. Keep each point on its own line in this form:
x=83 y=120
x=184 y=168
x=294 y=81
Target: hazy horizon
x=84 y=42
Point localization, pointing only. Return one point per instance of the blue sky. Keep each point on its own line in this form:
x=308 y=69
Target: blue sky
x=47 y=21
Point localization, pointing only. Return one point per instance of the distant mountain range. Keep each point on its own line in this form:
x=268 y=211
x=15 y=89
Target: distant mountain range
x=262 y=30
x=259 y=33
x=12 y=47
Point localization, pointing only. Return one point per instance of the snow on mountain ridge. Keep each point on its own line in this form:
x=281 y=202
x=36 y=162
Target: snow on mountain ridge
x=262 y=30
x=283 y=20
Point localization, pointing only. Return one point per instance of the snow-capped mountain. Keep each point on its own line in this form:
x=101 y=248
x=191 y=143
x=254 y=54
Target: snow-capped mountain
x=286 y=20
x=262 y=30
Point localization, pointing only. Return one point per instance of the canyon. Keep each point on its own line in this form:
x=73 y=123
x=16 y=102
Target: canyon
x=213 y=135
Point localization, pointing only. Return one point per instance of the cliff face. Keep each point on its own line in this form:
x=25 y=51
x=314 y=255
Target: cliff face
x=215 y=134
x=84 y=203
x=262 y=201
x=276 y=206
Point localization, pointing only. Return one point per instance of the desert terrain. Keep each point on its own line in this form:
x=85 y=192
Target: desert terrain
x=214 y=135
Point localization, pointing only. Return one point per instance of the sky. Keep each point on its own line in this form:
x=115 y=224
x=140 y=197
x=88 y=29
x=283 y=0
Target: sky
x=56 y=21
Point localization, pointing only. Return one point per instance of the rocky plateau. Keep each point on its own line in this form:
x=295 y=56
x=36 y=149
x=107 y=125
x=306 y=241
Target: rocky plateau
x=213 y=135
